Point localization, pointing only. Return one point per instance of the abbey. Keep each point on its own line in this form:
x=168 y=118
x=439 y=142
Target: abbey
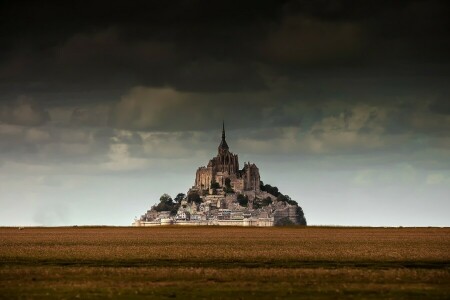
x=224 y=194
x=224 y=170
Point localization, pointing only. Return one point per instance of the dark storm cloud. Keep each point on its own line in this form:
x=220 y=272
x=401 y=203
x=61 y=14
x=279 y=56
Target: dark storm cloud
x=89 y=116
x=71 y=47
x=168 y=109
x=23 y=111
x=183 y=65
x=108 y=47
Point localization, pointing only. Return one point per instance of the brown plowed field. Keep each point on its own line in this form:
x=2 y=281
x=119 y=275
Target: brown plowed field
x=225 y=262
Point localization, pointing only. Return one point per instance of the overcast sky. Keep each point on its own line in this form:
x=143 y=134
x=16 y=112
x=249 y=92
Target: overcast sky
x=343 y=105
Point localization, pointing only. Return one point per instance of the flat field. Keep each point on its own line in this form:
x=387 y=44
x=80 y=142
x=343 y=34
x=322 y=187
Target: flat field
x=225 y=262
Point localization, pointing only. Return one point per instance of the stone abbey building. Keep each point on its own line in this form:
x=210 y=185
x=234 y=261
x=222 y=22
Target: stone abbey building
x=224 y=194
x=226 y=166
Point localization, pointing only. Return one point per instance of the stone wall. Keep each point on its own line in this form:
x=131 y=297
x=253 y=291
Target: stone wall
x=262 y=222
x=289 y=212
x=203 y=178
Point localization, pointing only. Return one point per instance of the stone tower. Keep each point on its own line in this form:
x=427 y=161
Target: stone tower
x=226 y=165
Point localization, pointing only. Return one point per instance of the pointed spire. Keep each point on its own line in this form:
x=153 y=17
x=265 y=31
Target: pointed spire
x=223 y=144
x=223 y=130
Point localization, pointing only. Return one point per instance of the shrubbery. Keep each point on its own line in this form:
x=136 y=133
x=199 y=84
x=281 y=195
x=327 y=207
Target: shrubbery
x=166 y=203
x=194 y=197
x=273 y=190
x=228 y=188
x=243 y=200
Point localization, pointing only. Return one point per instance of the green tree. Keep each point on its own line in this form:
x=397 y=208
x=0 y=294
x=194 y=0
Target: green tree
x=165 y=198
x=194 y=197
x=242 y=200
x=179 y=197
x=292 y=202
x=273 y=190
x=174 y=210
x=228 y=188
x=165 y=203
x=286 y=199
x=215 y=184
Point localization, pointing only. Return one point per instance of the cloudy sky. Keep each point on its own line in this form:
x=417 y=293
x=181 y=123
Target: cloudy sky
x=106 y=105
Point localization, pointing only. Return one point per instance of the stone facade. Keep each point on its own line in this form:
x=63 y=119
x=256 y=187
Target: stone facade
x=289 y=212
x=226 y=166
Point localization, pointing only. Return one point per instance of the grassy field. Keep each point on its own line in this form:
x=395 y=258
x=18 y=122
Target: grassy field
x=219 y=263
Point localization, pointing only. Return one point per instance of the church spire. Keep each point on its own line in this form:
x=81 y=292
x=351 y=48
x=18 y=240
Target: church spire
x=223 y=144
x=223 y=130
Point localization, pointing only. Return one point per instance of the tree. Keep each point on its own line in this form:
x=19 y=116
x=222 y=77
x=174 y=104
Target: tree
x=292 y=202
x=174 y=209
x=215 y=184
x=242 y=200
x=165 y=203
x=286 y=199
x=179 y=197
x=228 y=188
x=273 y=190
x=194 y=197
x=165 y=198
